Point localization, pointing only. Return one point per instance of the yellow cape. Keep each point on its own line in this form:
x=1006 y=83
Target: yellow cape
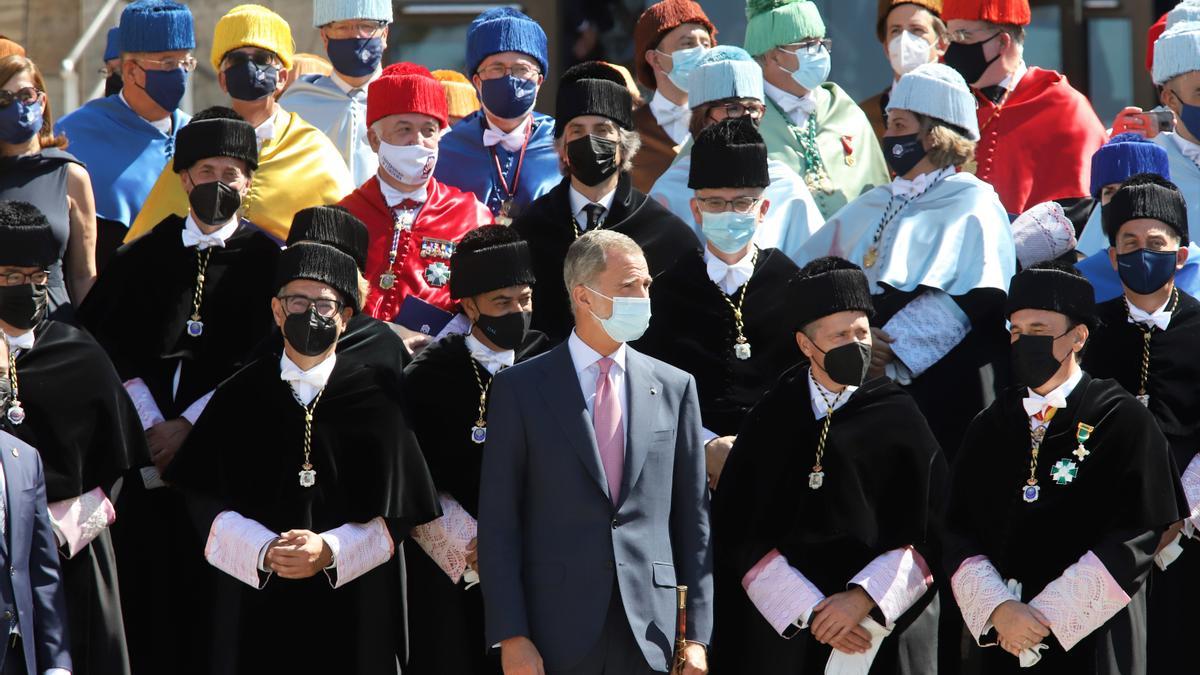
x=298 y=168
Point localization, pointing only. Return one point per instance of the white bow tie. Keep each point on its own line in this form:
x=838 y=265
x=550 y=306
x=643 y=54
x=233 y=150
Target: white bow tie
x=511 y=141
x=494 y=361
x=792 y=104
x=910 y=188
x=311 y=378
x=729 y=277
x=666 y=113
x=1161 y=318
x=201 y=241
x=24 y=341
x=1037 y=403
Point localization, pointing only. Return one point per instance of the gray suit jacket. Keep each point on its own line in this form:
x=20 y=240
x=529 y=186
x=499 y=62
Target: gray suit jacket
x=551 y=542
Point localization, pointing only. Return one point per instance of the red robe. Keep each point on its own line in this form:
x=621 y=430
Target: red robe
x=423 y=255
x=1038 y=147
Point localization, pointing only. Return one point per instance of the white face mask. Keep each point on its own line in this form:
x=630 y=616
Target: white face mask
x=907 y=51
x=409 y=164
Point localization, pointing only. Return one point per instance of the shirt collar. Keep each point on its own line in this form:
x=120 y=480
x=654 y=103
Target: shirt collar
x=266 y=131
x=1014 y=78
x=511 y=141
x=902 y=187
x=316 y=377
x=490 y=358
x=345 y=86
x=1159 y=317
x=729 y=277
x=585 y=357
x=1058 y=396
x=673 y=118
x=163 y=125
x=394 y=197
x=791 y=104
x=578 y=201
x=817 y=393
x=194 y=236
x=23 y=341
x=1187 y=148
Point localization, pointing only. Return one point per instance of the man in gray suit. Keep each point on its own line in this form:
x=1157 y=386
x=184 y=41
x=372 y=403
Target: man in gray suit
x=593 y=504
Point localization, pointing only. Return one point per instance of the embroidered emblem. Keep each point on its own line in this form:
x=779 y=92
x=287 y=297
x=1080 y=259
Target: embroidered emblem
x=437 y=274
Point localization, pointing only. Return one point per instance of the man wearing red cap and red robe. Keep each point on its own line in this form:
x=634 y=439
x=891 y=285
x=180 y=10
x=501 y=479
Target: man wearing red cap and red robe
x=1022 y=110
x=414 y=220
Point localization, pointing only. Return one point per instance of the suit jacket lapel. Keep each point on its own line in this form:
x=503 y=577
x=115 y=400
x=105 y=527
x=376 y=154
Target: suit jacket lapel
x=565 y=400
x=644 y=394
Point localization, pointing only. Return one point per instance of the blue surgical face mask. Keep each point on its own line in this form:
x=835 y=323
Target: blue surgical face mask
x=508 y=97
x=248 y=81
x=729 y=231
x=19 y=122
x=683 y=62
x=1144 y=271
x=165 y=87
x=1189 y=115
x=629 y=319
x=813 y=69
x=356 y=57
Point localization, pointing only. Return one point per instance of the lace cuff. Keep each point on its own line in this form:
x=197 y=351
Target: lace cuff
x=79 y=520
x=445 y=539
x=234 y=543
x=782 y=594
x=143 y=401
x=979 y=590
x=357 y=549
x=926 y=329
x=895 y=580
x=1080 y=601
x=1191 y=489
x=194 y=410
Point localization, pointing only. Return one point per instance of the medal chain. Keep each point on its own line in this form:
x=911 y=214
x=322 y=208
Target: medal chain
x=1036 y=436
x=401 y=222
x=14 y=384
x=738 y=322
x=308 y=420
x=1147 y=333
x=889 y=214
x=201 y=268
x=483 y=393
x=829 y=406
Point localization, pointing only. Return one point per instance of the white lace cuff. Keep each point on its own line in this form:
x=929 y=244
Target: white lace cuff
x=979 y=590
x=1080 y=601
x=194 y=410
x=357 y=549
x=234 y=544
x=79 y=520
x=926 y=329
x=895 y=581
x=1191 y=489
x=783 y=595
x=445 y=539
x=143 y=401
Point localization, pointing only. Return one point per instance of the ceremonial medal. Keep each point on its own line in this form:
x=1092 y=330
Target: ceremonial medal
x=503 y=218
x=870 y=257
x=15 y=414
x=1064 y=471
x=195 y=327
x=479 y=431
x=741 y=346
x=1143 y=396
x=436 y=248
x=308 y=477
x=437 y=274
x=816 y=479
x=1082 y=434
x=1030 y=492
x=1144 y=399
x=741 y=349
x=387 y=280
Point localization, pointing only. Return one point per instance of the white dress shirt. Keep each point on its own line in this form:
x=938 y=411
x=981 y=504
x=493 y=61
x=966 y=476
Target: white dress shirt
x=306 y=383
x=817 y=394
x=510 y=141
x=902 y=187
x=1014 y=78
x=393 y=196
x=163 y=125
x=194 y=236
x=588 y=370
x=489 y=358
x=347 y=89
x=266 y=131
x=1056 y=398
x=674 y=119
x=797 y=108
x=578 y=202
x=1187 y=148
x=729 y=277
x=20 y=342
x=1159 y=318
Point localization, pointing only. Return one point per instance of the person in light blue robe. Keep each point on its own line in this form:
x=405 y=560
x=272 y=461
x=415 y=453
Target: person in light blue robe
x=337 y=103
x=1124 y=155
x=728 y=75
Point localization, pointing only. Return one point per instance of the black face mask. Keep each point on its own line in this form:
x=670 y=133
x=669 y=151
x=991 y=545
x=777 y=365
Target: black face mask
x=248 y=81
x=592 y=159
x=903 y=152
x=113 y=83
x=969 y=60
x=507 y=331
x=310 y=333
x=847 y=364
x=214 y=203
x=1033 y=362
x=24 y=306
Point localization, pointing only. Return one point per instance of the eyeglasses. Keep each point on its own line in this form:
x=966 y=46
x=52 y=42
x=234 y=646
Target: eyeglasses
x=753 y=110
x=26 y=95
x=340 y=30
x=718 y=205
x=20 y=278
x=520 y=71
x=300 y=304
x=187 y=63
x=259 y=57
x=969 y=36
x=810 y=47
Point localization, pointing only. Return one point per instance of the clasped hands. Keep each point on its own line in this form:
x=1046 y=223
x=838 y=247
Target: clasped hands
x=836 y=621
x=298 y=554
x=1019 y=626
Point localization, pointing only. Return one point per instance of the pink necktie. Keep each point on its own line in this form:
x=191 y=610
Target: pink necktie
x=607 y=422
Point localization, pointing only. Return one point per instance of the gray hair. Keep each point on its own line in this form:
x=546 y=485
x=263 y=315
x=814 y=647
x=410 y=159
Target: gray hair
x=628 y=141
x=588 y=257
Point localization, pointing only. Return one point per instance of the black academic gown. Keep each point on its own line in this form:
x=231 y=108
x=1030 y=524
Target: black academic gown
x=974 y=370
x=1115 y=351
x=447 y=631
x=86 y=429
x=546 y=225
x=244 y=455
x=884 y=475
x=1123 y=497
x=138 y=311
x=692 y=328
